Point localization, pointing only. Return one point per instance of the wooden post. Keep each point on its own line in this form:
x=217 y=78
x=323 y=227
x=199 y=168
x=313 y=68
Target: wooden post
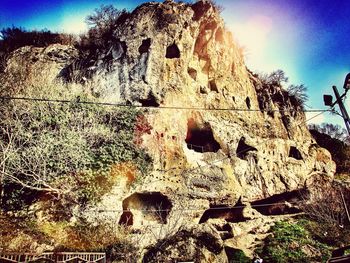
x=345 y=206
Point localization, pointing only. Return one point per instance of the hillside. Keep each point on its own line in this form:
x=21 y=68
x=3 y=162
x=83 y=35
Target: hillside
x=182 y=146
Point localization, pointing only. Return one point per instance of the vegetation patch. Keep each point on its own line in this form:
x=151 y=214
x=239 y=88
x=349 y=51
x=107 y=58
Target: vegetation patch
x=295 y=242
x=73 y=151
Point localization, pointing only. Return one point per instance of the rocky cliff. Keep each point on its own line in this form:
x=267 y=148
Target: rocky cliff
x=217 y=133
x=218 y=136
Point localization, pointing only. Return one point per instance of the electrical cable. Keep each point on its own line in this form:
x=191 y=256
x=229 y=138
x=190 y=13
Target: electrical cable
x=151 y=107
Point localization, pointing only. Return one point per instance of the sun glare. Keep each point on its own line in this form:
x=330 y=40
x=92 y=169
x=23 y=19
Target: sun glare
x=74 y=24
x=253 y=34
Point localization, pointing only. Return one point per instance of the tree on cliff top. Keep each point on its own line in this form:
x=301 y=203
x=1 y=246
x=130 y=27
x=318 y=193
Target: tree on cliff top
x=105 y=17
x=335 y=140
x=102 y=23
x=277 y=78
x=297 y=93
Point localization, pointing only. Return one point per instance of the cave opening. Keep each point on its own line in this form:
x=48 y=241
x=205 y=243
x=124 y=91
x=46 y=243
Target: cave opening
x=126 y=219
x=149 y=206
x=212 y=86
x=150 y=101
x=295 y=153
x=243 y=149
x=230 y=214
x=280 y=204
x=193 y=73
x=247 y=101
x=172 y=51
x=200 y=139
x=146 y=44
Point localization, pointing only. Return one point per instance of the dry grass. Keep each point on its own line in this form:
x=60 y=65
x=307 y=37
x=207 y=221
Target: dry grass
x=25 y=236
x=83 y=238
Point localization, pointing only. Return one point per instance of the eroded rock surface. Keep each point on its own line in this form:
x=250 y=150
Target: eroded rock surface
x=180 y=60
x=181 y=56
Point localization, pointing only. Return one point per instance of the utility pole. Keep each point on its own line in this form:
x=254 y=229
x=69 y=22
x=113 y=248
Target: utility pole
x=328 y=100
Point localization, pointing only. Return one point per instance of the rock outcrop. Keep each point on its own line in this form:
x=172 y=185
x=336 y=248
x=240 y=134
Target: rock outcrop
x=218 y=133
x=218 y=136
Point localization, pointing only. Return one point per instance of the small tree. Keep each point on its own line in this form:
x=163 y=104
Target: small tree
x=104 y=17
x=335 y=131
x=102 y=23
x=277 y=77
x=298 y=93
x=325 y=204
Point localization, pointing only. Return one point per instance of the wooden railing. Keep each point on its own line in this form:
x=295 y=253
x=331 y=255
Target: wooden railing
x=343 y=259
x=57 y=257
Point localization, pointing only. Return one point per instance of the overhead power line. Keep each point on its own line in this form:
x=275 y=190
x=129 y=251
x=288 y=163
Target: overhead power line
x=191 y=208
x=152 y=107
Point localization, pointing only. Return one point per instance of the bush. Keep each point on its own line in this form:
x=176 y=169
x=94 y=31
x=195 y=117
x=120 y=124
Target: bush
x=325 y=203
x=236 y=256
x=298 y=95
x=21 y=234
x=103 y=22
x=293 y=242
x=336 y=141
x=67 y=149
x=275 y=78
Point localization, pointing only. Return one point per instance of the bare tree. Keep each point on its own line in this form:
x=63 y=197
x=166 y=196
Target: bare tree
x=104 y=17
x=333 y=130
x=102 y=23
x=277 y=77
x=298 y=92
x=325 y=204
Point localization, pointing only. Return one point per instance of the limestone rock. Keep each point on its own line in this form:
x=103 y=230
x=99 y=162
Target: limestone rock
x=219 y=135
x=29 y=65
x=180 y=55
x=197 y=244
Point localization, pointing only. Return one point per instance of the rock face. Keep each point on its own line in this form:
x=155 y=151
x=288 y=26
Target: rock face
x=30 y=64
x=201 y=244
x=180 y=59
x=218 y=137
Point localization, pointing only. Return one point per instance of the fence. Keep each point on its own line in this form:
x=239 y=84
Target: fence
x=56 y=257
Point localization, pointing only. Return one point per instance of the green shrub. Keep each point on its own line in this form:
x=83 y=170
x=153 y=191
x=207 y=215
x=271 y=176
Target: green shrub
x=293 y=242
x=236 y=256
x=66 y=149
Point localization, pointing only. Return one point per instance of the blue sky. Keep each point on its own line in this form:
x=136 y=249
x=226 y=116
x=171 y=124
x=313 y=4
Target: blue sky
x=308 y=39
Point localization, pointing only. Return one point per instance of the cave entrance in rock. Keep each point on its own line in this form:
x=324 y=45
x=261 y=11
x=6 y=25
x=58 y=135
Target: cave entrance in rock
x=280 y=204
x=243 y=149
x=230 y=214
x=172 y=51
x=247 y=101
x=140 y=208
x=212 y=86
x=193 y=73
x=200 y=139
x=295 y=153
x=146 y=44
x=150 y=101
